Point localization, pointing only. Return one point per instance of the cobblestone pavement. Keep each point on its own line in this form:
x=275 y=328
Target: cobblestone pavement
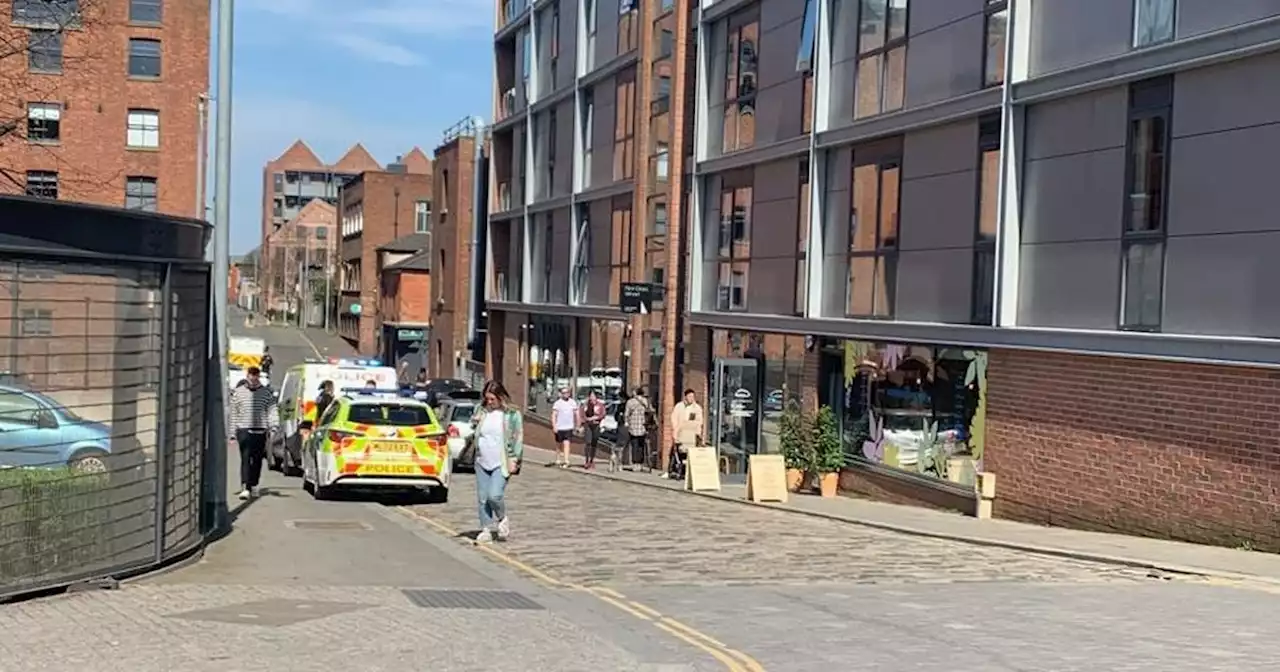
x=600 y=532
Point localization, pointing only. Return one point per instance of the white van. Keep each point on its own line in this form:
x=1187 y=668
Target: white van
x=297 y=402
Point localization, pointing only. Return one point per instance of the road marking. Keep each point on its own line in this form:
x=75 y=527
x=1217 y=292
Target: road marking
x=314 y=349
x=732 y=659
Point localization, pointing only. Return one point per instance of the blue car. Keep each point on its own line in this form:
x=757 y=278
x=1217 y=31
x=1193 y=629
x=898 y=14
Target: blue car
x=37 y=431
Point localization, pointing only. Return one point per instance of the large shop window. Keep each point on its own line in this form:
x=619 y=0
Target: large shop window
x=582 y=355
x=880 y=80
x=1147 y=174
x=918 y=408
x=734 y=249
x=740 y=83
x=873 y=239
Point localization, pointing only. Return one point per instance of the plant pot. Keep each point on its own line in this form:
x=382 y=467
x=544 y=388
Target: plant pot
x=829 y=484
x=795 y=480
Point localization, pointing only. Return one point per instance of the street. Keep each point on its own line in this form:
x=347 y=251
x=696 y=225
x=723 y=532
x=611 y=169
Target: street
x=607 y=575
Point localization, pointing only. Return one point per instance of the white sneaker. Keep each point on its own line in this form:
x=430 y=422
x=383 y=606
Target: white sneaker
x=664 y=475
x=484 y=537
x=504 y=529
x=244 y=494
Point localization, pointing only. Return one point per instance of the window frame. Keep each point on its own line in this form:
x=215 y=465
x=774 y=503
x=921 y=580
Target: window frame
x=141 y=128
x=882 y=52
x=159 y=58
x=159 y=12
x=35 y=322
x=141 y=197
x=54 y=131
x=1136 y=17
x=807 y=52
x=736 y=102
x=731 y=187
x=992 y=8
x=884 y=256
x=624 y=131
x=1148 y=99
x=984 y=249
x=804 y=229
x=422 y=216
x=45 y=178
x=621 y=239
x=42 y=46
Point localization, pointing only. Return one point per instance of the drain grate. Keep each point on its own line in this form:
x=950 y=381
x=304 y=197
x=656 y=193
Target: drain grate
x=469 y=599
x=327 y=525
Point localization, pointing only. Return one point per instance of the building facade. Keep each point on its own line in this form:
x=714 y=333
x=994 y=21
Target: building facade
x=990 y=240
x=453 y=230
x=105 y=102
x=374 y=209
x=405 y=293
x=587 y=148
x=302 y=263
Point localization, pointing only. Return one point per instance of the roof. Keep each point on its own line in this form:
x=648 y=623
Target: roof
x=418 y=262
x=413 y=242
x=298 y=156
x=356 y=160
x=417 y=162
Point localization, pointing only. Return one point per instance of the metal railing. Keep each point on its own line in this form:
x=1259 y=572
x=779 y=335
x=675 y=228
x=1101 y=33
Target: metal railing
x=508 y=105
x=102 y=417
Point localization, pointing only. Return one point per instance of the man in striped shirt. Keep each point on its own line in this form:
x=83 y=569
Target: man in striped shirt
x=253 y=417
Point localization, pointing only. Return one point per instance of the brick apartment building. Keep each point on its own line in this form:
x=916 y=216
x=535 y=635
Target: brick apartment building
x=405 y=311
x=374 y=209
x=302 y=254
x=453 y=232
x=102 y=102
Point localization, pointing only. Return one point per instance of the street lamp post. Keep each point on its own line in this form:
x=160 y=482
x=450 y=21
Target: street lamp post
x=215 y=495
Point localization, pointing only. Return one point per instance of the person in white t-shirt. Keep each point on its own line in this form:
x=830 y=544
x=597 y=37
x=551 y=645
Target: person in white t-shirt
x=564 y=420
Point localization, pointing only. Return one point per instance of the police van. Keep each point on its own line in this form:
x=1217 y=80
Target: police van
x=299 y=388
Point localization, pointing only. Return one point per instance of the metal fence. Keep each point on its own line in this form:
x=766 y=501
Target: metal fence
x=102 y=416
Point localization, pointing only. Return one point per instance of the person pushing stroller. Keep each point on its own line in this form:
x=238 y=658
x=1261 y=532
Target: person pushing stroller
x=686 y=429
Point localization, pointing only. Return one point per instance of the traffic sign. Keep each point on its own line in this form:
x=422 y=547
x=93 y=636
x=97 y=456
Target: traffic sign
x=636 y=297
x=355 y=309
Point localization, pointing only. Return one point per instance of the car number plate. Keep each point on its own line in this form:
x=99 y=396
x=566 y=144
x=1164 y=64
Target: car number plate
x=391 y=447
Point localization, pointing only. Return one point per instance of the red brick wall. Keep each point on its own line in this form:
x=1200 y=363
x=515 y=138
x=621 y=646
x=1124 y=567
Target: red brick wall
x=413 y=297
x=1141 y=447
x=96 y=94
x=451 y=259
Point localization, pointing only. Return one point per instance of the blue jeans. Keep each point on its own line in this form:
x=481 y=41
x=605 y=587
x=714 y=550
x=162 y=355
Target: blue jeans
x=491 y=488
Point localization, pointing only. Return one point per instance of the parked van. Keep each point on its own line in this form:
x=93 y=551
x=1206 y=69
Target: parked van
x=298 y=391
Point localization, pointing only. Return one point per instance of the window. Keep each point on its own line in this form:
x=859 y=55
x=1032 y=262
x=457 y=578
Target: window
x=37 y=322
x=44 y=51
x=620 y=248
x=661 y=96
x=143 y=129
x=808 y=37
x=742 y=66
x=803 y=219
x=734 y=244
x=668 y=5
x=581 y=273
x=278 y=178
x=422 y=216
x=42 y=183
x=552 y=141
x=666 y=44
x=628 y=26
x=997 y=22
x=144 y=58
x=444 y=182
x=873 y=239
x=47 y=13
x=662 y=161
x=44 y=122
x=1152 y=22
x=624 y=147
x=984 y=244
x=1146 y=177
x=880 y=79
x=145 y=11
x=659 y=226
x=140 y=194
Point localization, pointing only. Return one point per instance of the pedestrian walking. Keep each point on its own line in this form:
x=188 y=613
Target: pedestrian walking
x=686 y=432
x=638 y=412
x=266 y=361
x=499 y=437
x=253 y=419
x=593 y=412
x=564 y=420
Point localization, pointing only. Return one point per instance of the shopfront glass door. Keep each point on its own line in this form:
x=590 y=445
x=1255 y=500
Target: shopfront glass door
x=735 y=408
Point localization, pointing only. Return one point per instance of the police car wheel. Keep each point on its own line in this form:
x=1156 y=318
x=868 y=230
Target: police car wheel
x=436 y=496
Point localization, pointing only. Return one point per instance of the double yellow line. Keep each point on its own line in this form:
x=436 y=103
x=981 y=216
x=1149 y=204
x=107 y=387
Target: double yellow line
x=733 y=660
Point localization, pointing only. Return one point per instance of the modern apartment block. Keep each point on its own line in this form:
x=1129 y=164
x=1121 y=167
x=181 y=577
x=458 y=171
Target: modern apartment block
x=291 y=180
x=1024 y=237
x=588 y=144
x=103 y=102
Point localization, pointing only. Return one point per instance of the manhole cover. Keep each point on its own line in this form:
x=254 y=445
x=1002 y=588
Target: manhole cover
x=470 y=599
x=328 y=525
x=271 y=613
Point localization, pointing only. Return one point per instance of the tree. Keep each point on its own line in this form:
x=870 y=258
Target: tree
x=43 y=40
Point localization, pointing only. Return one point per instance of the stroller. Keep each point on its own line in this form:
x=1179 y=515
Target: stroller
x=677 y=465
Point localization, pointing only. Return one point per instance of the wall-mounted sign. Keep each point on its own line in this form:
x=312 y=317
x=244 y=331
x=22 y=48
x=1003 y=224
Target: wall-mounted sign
x=355 y=309
x=410 y=334
x=636 y=297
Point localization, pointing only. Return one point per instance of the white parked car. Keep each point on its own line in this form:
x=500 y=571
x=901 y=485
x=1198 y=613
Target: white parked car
x=455 y=412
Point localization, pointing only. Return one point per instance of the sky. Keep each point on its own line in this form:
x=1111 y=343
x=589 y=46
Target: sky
x=390 y=74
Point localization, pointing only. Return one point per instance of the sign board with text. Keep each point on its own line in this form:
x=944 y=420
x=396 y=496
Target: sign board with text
x=766 y=478
x=636 y=298
x=702 y=471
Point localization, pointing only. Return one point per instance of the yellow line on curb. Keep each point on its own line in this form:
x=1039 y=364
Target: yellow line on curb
x=734 y=660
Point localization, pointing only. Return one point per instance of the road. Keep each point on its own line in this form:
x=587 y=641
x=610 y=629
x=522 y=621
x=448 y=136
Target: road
x=605 y=575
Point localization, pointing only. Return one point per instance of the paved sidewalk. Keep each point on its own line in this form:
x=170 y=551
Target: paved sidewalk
x=1158 y=554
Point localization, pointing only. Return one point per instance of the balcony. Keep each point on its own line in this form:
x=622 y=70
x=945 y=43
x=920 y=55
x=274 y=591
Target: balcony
x=507 y=105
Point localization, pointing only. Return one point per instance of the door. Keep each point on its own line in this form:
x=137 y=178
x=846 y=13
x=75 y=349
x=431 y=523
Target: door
x=29 y=433
x=735 y=413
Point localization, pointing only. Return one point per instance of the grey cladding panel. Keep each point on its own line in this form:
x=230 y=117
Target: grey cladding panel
x=564 y=148
x=926 y=15
x=1196 y=17
x=1067 y=34
x=566 y=65
x=773 y=232
x=935 y=286
x=939 y=212
x=778 y=50
x=1088 y=122
x=1199 y=95
x=601 y=242
x=779 y=112
x=775 y=180
x=1073 y=198
x=1224 y=182
x=940 y=149
x=561 y=262
x=945 y=62
x=772 y=286
x=1070 y=285
x=1223 y=285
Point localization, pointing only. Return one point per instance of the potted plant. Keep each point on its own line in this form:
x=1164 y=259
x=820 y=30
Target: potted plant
x=795 y=430
x=828 y=452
